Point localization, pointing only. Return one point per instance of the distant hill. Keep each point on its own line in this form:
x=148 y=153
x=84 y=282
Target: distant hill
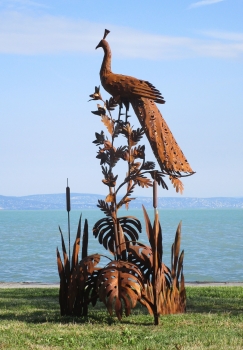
x=89 y=201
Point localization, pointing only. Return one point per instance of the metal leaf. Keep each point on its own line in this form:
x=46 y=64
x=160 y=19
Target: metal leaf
x=76 y=246
x=177 y=183
x=176 y=250
x=104 y=230
x=100 y=138
x=120 y=281
x=104 y=207
x=66 y=263
x=81 y=280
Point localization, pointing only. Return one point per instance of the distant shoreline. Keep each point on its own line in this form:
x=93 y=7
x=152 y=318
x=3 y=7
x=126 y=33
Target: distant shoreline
x=11 y=285
x=80 y=201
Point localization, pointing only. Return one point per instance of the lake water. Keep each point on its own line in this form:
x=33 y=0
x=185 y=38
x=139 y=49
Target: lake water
x=212 y=240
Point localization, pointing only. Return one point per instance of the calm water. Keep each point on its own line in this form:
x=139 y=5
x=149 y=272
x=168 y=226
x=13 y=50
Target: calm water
x=212 y=240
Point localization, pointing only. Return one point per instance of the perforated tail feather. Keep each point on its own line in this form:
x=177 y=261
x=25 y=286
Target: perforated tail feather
x=166 y=150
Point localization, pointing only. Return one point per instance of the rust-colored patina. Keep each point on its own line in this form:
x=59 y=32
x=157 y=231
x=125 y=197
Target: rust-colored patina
x=143 y=95
x=136 y=272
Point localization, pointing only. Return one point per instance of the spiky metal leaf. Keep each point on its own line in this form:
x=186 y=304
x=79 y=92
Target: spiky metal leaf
x=120 y=281
x=76 y=246
x=66 y=263
x=176 y=251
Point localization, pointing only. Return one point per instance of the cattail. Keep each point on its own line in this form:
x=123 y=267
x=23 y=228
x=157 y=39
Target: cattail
x=155 y=194
x=68 y=200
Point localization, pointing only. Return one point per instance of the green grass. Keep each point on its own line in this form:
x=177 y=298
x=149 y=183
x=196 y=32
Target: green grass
x=30 y=319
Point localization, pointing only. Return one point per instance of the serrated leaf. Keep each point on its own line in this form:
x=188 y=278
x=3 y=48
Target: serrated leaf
x=104 y=207
x=148 y=165
x=138 y=152
x=143 y=181
x=111 y=104
x=177 y=183
x=108 y=122
x=136 y=136
x=110 y=180
x=158 y=176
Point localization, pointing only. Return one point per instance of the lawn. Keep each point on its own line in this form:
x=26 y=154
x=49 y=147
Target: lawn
x=30 y=319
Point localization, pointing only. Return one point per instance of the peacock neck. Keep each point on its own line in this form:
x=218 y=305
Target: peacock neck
x=106 y=64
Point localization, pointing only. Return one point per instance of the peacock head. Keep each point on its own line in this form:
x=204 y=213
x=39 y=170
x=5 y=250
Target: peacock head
x=103 y=43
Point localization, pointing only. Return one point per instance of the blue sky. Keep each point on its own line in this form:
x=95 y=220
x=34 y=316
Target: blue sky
x=192 y=51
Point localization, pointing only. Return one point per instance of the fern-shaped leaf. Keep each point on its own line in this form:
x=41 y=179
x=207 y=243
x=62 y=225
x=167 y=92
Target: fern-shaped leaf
x=111 y=104
x=104 y=157
x=120 y=151
x=125 y=201
x=136 y=136
x=110 y=179
x=108 y=122
x=178 y=185
x=104 y=207
x=143 y=181
x=138 y=152
x=158 y=176
x=148 y=166
x=117 y=130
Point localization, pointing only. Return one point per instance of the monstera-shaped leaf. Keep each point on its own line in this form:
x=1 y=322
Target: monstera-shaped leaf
x=120 y=281
x=142 y=256
x=104 y=230
x=82 y=284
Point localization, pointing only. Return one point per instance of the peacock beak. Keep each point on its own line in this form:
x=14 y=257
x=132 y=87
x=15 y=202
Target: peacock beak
x=98 y=46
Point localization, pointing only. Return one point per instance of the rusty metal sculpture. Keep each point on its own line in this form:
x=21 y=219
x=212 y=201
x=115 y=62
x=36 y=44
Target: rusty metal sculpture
x=142 y=95
x=136 y=273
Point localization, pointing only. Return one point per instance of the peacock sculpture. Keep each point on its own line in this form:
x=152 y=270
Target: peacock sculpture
x=143 y=96
x=136 y=272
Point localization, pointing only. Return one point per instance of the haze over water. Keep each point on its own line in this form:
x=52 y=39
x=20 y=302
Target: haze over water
x=212 y=240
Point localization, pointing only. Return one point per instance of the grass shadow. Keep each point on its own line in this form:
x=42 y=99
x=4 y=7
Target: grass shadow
x=42 y=305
